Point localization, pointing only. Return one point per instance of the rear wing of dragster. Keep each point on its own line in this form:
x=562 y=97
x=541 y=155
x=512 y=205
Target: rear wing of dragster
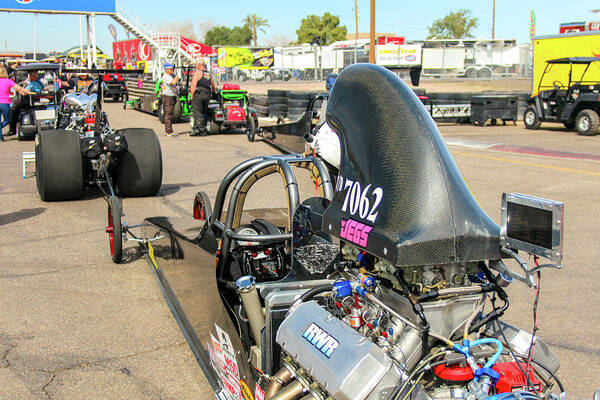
x=99 y=73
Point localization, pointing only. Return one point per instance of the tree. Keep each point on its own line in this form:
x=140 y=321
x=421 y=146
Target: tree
x=217 y=35
x=326 y=29
x=236 y=36
x=455 y=25
x=240 y=35
x=254 y=21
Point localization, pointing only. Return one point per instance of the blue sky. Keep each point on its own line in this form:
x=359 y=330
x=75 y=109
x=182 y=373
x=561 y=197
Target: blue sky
x=405 y=18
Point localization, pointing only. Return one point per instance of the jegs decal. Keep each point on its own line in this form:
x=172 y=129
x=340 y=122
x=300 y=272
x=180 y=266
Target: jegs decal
x=359 y=202
x=355 y=232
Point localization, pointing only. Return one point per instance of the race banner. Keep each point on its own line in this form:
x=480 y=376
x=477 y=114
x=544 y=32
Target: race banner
x=131 y=51
x=59 y=6
x=195 y=49
x=245 y=58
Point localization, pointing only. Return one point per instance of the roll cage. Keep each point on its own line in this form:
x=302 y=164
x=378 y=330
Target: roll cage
x=245 y=176
x=587 y=61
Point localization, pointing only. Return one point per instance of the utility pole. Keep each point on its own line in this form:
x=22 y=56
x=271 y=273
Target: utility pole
x=493 y=18
x=372 y=34
x=356 y=36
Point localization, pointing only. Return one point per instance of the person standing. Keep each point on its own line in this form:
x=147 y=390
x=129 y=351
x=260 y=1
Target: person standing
x=202 y=86
x=169 y=96
x=5 y=85
x=35 y=86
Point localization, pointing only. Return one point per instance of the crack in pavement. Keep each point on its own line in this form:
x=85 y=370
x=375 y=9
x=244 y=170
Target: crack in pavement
x=41 y=239
x=55 y=372
x=577 y=349
x=43 y=272
x=174 y=207
x=4 y=358
x=45 y=387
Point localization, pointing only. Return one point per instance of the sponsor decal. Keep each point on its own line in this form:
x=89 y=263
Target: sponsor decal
x=232 y=385
x=24 y=1
x=193 y=49
x=355 y=232
x=321 y=340
x=143 y=51
x=411 y=57
x=246 y=391
x=259 y=393
x=224 y=363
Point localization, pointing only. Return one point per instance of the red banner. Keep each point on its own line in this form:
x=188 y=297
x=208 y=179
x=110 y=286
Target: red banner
x=196 y=49
x=131 y=51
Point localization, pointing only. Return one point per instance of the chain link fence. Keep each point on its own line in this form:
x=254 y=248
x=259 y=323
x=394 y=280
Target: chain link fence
x=440 y=59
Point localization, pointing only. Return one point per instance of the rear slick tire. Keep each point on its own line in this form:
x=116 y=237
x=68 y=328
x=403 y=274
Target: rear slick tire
x=140 y=170
x=58 y=165
x=114 y=230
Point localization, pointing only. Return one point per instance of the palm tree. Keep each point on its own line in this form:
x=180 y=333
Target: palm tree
x=254 y=21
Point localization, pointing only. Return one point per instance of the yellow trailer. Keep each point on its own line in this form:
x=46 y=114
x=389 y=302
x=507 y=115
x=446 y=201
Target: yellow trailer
x=579 y=44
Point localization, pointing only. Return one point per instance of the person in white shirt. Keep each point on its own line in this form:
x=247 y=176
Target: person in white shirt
x=169 y=96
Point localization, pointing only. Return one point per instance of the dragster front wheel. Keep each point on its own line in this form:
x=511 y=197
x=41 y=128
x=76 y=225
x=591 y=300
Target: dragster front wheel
x=114 y=230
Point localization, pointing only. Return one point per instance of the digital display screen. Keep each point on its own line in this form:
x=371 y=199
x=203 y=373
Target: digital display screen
x=529 y=225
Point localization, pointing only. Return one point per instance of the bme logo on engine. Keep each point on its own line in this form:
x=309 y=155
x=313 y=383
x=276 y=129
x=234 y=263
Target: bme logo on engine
x=322 y=340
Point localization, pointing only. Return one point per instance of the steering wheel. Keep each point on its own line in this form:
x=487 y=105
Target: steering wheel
x=557 y=85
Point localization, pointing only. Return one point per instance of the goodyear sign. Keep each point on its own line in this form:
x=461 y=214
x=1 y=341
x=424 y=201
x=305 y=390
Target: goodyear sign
x=245 y=58
x=393 y=55
x=59 y=6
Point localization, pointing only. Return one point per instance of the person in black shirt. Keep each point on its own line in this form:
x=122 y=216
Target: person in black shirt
x=201 y=88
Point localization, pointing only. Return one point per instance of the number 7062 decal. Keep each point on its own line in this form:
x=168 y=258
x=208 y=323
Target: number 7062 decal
x=358 y=201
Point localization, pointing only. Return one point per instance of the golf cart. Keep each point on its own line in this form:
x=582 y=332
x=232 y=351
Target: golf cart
x=116 y=87
x=576 y=104
x=229 y=108
x=36 y=112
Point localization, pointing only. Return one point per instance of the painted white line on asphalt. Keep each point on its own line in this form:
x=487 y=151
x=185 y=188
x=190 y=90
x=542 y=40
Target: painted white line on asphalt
x=468 y=143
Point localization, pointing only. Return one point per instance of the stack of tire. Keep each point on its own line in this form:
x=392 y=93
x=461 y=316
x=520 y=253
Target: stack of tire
x=298 y=102
x=278 y=102
x=261 y=104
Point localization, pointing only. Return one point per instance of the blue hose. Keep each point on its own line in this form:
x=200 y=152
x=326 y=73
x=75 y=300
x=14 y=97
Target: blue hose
x=499 y=348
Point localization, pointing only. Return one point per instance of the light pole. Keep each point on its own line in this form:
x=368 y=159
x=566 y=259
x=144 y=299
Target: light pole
x=493 y=18
x=372 y=34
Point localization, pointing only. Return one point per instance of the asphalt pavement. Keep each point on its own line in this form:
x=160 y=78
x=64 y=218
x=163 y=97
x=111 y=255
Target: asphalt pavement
x=74 y=325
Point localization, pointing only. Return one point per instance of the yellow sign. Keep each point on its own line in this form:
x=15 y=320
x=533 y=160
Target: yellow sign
x=561 y=46
x=143 y=65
